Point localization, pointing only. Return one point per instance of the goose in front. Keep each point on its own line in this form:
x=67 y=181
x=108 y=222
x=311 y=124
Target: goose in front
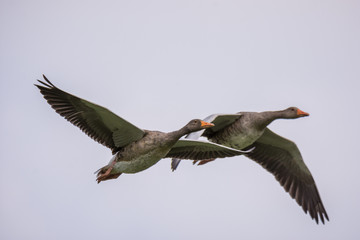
x=278 y=155
x=134 y=149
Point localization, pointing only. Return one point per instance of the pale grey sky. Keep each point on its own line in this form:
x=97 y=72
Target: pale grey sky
x=159 y=64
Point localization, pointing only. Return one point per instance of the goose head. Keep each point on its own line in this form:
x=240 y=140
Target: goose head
x=197 y=124
x=294 y=112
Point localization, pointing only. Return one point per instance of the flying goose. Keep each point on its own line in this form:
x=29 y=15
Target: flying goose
x=278 y=155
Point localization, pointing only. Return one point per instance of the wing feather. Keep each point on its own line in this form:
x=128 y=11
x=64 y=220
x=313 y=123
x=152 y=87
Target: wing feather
x=200 y=150
x=97 y=122
x=282 y=158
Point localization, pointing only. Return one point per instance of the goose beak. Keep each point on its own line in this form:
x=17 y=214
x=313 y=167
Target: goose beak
x=301 y=113
x=206 y=124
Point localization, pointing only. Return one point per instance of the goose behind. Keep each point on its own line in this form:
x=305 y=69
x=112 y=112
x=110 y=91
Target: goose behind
x=278 y=155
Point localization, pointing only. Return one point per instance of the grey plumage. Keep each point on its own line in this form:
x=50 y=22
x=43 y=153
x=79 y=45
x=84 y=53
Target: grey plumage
x=278 y=155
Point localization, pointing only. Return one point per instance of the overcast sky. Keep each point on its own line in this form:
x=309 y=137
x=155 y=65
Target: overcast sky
x=159 y=64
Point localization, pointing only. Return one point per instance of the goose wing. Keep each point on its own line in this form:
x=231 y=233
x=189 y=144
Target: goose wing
x=220 y=120
x=282 y=158
x=97 y=122
x=200 y=150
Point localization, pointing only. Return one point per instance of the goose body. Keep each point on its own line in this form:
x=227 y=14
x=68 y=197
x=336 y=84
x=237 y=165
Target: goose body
x=134 y=149
x=278 y=155
x=143 y=154
x=240 y=134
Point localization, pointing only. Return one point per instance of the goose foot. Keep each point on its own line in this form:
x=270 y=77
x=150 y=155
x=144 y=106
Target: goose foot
x=202 y=162
x=106 y=175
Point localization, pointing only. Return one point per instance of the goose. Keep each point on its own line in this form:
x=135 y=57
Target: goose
x=133 y=149
x=278 y=155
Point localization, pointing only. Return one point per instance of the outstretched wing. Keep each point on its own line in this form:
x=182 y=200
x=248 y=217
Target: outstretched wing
x=220 y=120
x=200 y=150
x=97 y=122
x=282 y=158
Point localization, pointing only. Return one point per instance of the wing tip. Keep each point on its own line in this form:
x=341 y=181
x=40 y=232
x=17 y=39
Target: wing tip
x=47 y=84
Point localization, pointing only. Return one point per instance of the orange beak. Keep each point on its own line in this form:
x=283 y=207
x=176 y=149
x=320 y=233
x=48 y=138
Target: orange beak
x=301 y=113
x=206 y=124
